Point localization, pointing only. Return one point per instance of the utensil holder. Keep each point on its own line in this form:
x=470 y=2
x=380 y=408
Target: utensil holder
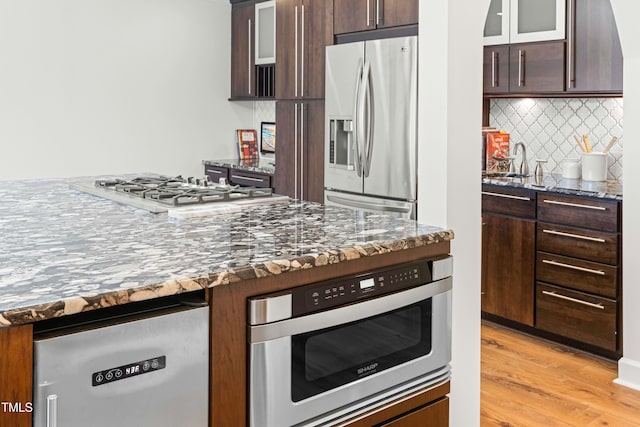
x=594 y=166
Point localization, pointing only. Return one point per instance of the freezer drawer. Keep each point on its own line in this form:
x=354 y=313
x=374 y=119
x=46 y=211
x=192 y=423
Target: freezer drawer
x=147 y=372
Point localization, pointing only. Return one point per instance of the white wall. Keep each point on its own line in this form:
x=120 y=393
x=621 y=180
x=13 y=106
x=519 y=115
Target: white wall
x=626 y=12
x=449 y=186
x=113 y=86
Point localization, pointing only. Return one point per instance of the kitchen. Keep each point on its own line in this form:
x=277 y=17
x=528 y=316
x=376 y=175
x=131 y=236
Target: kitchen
x=189 y=121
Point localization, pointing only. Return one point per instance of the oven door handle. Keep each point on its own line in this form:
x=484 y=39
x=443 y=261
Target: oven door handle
x=346 y=314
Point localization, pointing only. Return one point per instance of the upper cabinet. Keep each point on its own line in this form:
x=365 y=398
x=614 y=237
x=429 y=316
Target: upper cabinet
x=361 y=15
x=521 y=21
x=253 y=45
x=594 y=54
x=588 y=61
x=242 y=51
x=302 y=36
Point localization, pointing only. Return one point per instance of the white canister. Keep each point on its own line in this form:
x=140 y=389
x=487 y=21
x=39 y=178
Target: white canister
x=571 y=168
x=594 y=166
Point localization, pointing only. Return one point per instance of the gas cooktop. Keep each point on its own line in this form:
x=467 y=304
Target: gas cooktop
x=158 y=193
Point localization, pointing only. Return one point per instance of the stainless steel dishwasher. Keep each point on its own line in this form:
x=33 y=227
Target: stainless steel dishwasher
x=144 y=369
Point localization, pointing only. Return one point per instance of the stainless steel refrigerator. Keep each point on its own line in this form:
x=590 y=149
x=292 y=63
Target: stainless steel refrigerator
x=371 y=125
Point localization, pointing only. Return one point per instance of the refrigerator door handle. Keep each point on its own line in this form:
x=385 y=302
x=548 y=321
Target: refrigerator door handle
x=357 y=120
x=368 y=108
x=367 y=205
x=52 y=411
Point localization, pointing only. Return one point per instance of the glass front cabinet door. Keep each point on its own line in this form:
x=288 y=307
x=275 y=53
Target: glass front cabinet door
x=496 y=27
x=522 y=21
x=537 y=20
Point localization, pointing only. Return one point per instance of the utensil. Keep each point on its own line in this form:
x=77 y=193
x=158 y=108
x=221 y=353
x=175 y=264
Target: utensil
x=610 y=144
x=586 y=143
x=579 y=143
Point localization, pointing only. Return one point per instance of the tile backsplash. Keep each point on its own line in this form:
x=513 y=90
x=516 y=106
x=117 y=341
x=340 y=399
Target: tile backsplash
x=547 y=125
x=263 y=111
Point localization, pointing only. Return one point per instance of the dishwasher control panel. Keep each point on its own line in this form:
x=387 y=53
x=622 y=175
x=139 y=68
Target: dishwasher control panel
x=110 y=375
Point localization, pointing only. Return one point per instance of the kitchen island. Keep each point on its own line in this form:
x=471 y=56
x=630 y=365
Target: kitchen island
x=65 y=252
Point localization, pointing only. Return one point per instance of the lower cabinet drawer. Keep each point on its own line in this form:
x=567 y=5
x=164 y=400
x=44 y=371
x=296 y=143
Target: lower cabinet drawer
x=215 y=173
x=577 y=315
x=578 y=242
x=578 y=274
x=433 y=415
x=247 y=179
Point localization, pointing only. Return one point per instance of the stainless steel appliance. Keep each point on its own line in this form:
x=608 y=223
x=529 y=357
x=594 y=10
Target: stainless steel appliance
x=158 y=193
x=148 y=369
x=328 y=351
x=371 y=125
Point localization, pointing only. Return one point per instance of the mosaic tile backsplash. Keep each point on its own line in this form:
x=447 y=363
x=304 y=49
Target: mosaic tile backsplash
x=263 y=111
x=547 y=125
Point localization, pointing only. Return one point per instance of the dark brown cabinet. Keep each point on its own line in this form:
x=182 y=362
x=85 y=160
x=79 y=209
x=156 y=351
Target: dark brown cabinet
x=242 y=51
x=496 y=69
x=508 y=253
x=301 y=37
x=361 y=15
x=249 y=179
x=424 y=408
x=536 y=67
x=300 y=151
x=577 y=270
x=588 y=62
x=236 y=176
x=594 y=54
x=215 y=173
x=524 y=68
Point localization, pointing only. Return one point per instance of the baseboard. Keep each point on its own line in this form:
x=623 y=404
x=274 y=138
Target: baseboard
x=628 y=373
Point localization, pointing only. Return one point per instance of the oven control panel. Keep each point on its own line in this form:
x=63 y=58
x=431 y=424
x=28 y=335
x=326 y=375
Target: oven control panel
x=320 y=296
x=129 y=370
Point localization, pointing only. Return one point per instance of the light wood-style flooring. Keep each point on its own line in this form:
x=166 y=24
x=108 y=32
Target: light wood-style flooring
x=530 y=382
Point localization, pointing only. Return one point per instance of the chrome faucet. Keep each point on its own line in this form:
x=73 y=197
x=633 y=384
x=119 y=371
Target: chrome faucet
x=524 y=166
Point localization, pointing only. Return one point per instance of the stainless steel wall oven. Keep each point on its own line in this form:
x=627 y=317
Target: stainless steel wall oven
x=325 y=352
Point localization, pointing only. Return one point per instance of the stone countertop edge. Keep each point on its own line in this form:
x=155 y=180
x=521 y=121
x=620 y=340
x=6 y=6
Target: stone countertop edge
x=77 y=304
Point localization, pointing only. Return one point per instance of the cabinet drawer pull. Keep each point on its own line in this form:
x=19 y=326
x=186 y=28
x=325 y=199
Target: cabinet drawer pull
x=578 y=301
x=575 y=205
x=247 y=178
x=213 y=171
x=506 y=196
x=575 y=236
x=573 y=267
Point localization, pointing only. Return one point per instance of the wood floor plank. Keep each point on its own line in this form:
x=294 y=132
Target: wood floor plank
x=527 y=381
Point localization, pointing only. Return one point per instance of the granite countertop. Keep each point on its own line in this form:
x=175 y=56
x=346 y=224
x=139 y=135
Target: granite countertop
x=260 y=165
x=64 y=251
x=611 y=189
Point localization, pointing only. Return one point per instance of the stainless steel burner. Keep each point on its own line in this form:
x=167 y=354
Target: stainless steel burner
x=157 y=193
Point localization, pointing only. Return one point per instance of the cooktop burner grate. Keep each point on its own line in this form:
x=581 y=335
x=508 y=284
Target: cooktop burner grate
x=176 y=191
